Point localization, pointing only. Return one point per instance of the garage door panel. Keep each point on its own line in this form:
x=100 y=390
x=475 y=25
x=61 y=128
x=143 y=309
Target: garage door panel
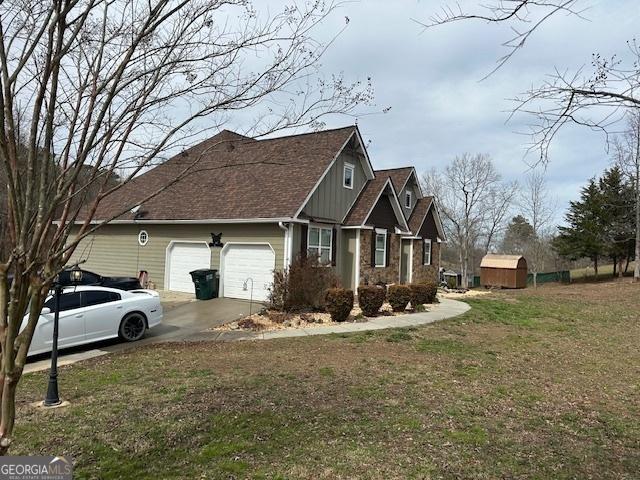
x=242 y=262
x=184 y=258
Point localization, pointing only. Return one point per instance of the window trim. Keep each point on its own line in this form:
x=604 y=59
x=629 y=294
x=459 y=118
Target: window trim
x=384 y=233
x=142 y=242
x=427 y=241
x=352 y=167
x=408 y=195
x=320 y=247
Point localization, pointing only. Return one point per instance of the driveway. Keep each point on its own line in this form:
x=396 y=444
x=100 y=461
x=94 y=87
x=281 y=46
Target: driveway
x=183 y=320
x=186 y=321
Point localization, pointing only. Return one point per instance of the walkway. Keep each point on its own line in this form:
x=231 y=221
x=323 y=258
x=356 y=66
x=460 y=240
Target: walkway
x=446 y=309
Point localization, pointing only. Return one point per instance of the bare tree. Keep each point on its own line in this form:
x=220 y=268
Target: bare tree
x=94 y=88
x=499 y=206
x=627 y=157
x=464 y=191
x=595 y=99
x=539 y=208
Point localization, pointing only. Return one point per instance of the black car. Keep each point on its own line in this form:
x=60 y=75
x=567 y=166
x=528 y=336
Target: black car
x=90 y=278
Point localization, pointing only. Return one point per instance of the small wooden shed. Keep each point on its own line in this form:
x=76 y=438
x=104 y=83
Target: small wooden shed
x=504 y=271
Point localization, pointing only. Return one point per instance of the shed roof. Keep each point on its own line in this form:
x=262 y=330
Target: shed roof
x=501 y=261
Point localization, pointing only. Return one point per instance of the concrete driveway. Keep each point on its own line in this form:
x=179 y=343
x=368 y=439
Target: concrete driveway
x=182 y=321
x=186 y=321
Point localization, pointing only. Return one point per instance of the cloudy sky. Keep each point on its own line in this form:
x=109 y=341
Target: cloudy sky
x=439 y=106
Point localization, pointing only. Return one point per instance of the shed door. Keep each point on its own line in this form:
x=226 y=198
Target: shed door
x=244 y=262
x=185 y=257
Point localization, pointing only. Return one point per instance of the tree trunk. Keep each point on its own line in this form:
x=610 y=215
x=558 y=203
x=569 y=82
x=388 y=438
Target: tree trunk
x=8 y=409
x=636 y=270
x=535 y=279
x=615 y=266
x=595 y=266
x=620 y=273
x=626 y=263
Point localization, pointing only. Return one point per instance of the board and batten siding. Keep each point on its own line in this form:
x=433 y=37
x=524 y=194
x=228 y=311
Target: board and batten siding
x=348 y=258
x=114 y=249
x=409 y=187
x=331 y=200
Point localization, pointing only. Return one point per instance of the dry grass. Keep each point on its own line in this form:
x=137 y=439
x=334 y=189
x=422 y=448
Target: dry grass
x=528 y=384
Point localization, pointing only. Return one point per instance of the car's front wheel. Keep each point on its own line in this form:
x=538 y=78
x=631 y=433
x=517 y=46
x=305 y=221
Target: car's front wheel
x=132 y=327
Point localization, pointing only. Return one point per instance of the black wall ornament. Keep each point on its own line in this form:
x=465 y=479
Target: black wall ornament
x=216 y=240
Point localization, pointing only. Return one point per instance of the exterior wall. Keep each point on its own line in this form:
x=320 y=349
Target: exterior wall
x=423 y=273
x=503 y=277
x=372 y=275
x=332 y=201
x=296 y=240
x=114 y=249
x=383 y=215
x=429 y=228
x=405 y=261
x=347 y=260
x=410 y=187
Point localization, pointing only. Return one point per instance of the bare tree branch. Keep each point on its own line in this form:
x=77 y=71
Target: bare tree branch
x=94 y=92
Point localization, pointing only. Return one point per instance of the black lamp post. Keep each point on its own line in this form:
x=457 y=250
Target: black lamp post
x=53 y=399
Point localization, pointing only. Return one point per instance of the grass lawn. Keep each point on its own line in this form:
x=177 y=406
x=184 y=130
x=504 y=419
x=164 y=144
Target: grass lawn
x=528 y=384
x=604 y=271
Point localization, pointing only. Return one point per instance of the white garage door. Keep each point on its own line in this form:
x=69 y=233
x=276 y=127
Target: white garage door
x=248 y=261
x=185 y=257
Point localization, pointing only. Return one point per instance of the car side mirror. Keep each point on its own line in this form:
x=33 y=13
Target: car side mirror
x=45 y=310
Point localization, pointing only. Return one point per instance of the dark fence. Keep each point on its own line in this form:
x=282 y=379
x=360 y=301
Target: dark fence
x=563 y=276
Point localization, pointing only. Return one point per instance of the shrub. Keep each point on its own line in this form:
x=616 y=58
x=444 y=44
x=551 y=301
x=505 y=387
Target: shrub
x=339 y=303
x=302 y=287
x=432 y=290
x=370 y=299
x=423 y=293
x=398 y=297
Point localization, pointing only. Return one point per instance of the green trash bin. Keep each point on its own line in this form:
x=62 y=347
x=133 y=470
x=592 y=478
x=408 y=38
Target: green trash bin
x=207 y=282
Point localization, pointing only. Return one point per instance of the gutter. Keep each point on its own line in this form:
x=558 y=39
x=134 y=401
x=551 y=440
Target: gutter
x=142 y=221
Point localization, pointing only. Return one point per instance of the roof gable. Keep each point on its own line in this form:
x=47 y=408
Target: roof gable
x=366 y=202
x=423 y=206
x=400 y=177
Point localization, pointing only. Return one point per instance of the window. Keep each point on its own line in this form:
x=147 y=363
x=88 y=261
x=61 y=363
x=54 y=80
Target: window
x=381 y=248
x=68 y=301
x=97 y=297
x=347 y=179
x=319 y=243
x=407 y=200
x=143 y=238
x=427 y=251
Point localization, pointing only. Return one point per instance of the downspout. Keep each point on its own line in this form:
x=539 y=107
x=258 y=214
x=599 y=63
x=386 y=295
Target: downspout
x=287 y=242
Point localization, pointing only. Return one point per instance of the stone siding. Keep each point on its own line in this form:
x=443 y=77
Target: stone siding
x=372 y=275
x=423 y=273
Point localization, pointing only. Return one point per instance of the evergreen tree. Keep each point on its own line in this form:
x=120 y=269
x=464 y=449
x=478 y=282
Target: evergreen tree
x=584 y=235
x=518 y=236
x=617 y=216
